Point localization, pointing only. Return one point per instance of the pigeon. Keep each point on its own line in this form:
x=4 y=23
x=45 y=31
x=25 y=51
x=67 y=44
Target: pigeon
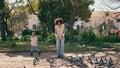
x=102 y=62
x=51 y=60
x=36 y=58
x=34 y=61
x=70 y=59
x=89 y=60
x=110 y=61
x=94 y=66
x=81 y=60
x=108 y=66
x=105 y=61
x=96 y=61
x=82 y=55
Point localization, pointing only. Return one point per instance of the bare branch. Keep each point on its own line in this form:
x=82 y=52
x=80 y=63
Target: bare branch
x=113 y=8
x=31 y=7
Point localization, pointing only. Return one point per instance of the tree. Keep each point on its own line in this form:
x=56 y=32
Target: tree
x=33 y=7
x=6 y=14
x=49 y=11
x=67 y=9
x=2 y=22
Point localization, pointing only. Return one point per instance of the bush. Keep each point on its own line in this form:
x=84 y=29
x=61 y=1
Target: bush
x=26 y=32
x=38 y=32
x=113 y=39
x=88 y=36
x=76 y=32
x=44 y=35
x=10 y=33
x=67 y=36
x=51 y=38
x=40 y=39
x=25 y=38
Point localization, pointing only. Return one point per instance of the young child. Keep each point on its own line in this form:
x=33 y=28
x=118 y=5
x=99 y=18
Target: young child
x=59 y=34
x=34 y=44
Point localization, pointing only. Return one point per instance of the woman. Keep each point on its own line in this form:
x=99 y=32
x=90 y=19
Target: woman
x=59 y=34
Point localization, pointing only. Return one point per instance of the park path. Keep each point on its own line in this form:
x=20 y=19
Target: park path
x=19 y=60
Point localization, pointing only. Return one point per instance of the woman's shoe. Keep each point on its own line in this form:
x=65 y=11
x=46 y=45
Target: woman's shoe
x=58 y=56
x=62 y=57
x=39 y=53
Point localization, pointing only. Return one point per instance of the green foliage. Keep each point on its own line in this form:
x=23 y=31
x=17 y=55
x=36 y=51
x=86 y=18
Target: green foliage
x=38 y=32
x=2 y=5
x=66 y=9
x=10 y=33
x=76 y=32
x=88 y=36
x=26 y=32
x=112 y=38
x=40 y=38
x=67 y=36
x=51 y=38
x=25 y=38
x=44 y=36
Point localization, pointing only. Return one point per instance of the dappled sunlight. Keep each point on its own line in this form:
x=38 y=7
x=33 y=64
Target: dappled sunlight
x=100 y=54
x=21 y=43
x=68 y=54
x=111 y=52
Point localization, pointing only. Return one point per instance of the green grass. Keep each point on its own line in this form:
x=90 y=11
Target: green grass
x=69 y=47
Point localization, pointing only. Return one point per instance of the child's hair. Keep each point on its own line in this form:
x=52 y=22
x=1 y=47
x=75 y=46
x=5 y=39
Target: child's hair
x=58 y=20
x=33 y=32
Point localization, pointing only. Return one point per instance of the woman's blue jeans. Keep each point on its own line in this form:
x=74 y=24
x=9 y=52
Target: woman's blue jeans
x=60 y=46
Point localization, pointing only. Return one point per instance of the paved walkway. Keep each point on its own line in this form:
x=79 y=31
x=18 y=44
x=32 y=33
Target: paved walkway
x=19 y=60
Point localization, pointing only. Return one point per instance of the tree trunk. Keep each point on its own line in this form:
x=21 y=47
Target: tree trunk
x=71 y=30
x=6 y=27
x=3 y=31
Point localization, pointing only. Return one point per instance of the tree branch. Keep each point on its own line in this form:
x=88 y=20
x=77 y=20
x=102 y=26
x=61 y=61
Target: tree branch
x=31 y=7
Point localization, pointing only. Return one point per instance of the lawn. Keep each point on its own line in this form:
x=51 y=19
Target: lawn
x=69 y=47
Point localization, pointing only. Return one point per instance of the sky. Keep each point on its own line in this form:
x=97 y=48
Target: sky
x=99 y=5
x=12 y=1
x=102 y=5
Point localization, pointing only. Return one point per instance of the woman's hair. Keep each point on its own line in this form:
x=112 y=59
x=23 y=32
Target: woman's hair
x=58 y=20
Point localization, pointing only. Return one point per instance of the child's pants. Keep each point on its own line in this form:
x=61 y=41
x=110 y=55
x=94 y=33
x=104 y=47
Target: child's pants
x=34 y=48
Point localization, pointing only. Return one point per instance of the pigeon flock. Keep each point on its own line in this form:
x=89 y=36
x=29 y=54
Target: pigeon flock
x=80 y=62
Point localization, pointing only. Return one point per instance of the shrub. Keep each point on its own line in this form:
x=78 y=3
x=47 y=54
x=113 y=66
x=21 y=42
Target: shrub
x=67 y=36
x=38 y=32
x=112 y=38
x=76 y=32
x=26 y=32
x=51 y=38
x=25 y=38
x=40 y=39
x=10 y=33
x=88 y=36
x=44 y=35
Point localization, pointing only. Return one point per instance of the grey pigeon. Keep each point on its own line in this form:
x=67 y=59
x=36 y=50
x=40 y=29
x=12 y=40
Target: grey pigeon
x=110 y=61
x=101 y=62
x=34 y=61
x=89 y=60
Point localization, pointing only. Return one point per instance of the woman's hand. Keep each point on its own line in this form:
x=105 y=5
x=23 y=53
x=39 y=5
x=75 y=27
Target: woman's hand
x=56 y=37
x=61 y=36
